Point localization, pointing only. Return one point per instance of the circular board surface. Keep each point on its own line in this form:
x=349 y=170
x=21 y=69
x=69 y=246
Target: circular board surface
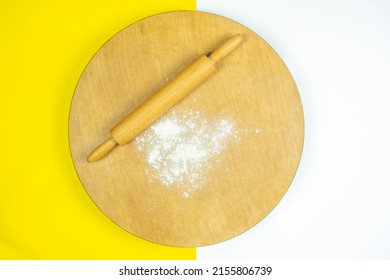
x=217 y=162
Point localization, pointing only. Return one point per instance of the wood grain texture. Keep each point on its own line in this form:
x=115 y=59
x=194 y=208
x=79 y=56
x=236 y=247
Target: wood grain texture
x=251 y=87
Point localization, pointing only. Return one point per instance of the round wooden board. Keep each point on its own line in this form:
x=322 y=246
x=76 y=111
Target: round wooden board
x=252 y=88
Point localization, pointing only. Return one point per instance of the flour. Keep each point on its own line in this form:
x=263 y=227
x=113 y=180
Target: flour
x=181 y=149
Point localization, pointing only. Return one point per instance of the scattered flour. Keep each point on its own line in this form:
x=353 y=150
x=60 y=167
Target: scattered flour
x=180 y=149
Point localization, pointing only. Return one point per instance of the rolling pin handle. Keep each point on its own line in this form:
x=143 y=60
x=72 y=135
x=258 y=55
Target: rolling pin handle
x=225 y=48
x=101 y=150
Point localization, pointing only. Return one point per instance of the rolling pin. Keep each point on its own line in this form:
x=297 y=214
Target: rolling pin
x=165 y=98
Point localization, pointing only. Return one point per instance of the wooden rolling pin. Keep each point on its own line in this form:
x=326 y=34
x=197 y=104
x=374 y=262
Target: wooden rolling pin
x=164 y=99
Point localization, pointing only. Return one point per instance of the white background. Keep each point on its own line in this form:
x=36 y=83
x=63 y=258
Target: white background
x=338 y=206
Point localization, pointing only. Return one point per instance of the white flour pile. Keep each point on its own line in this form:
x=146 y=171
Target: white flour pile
x=181 y=149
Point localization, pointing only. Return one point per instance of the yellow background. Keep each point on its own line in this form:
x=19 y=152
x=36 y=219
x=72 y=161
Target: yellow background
x=44 y=211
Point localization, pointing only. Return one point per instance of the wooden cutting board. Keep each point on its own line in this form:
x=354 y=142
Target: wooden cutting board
x=238 y=186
